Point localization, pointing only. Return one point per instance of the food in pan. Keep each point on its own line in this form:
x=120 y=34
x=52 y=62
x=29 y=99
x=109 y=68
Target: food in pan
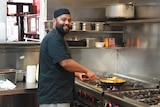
x=114 y=79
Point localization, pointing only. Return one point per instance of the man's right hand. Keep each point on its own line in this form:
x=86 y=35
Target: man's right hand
x=91 y=75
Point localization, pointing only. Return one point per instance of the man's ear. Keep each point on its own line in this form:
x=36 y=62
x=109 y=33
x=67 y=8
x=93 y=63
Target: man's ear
x=54 y=22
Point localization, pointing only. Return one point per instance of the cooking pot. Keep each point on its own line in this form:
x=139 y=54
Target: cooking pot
x=76 y=25
x=120 y=10
x=151 y=9
x=99 y=26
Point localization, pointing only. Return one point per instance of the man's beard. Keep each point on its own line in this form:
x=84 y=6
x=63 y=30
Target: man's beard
x=61 y=30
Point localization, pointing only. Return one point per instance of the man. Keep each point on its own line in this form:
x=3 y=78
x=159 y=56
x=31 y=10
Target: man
x=56 y=67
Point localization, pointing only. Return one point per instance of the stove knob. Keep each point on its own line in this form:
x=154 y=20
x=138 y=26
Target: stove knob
x=80 y=92
x=92 y=99
x=84 y=95
x=108 y=104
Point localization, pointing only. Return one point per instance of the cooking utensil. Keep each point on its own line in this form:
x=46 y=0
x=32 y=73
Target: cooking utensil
x=112 y=81
x=76 y=25
x=86 y=26
x=120 y=10
x=99 y=26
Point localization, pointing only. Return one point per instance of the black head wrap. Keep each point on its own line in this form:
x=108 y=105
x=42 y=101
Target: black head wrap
x=61 y=12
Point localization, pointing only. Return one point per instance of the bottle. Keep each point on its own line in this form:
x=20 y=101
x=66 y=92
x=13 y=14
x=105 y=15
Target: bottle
x=106 y=42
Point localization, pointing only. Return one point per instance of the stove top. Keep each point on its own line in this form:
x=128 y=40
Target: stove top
x=89 y=85
x=130 y=84
x=138 y=98
x=133 y=93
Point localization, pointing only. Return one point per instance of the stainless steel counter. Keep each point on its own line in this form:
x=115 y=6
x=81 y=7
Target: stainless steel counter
x=21 y=88
x=24 y=95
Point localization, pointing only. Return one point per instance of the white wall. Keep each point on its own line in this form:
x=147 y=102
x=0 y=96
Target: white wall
x=22 y=1
x=3 y=21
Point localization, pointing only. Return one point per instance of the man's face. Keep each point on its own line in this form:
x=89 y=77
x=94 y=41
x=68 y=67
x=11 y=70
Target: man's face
x=63 y=23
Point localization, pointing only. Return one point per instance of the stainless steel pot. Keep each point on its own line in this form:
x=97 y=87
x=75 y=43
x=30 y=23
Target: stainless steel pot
x=99 y=26
x=76 y=25
x=147 y=11
x=120 y=10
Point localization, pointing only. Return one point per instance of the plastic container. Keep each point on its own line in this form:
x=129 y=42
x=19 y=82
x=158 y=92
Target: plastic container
x=20 y=75
x=90 y=42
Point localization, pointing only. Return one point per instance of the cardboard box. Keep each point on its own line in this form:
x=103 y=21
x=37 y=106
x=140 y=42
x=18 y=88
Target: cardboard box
x=111 y=42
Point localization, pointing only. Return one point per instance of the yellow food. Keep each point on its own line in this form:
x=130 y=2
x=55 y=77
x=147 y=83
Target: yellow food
x=114 y=79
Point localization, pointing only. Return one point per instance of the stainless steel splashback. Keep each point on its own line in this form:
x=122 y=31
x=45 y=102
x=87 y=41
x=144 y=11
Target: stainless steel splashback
x=101 y=61
x=141 y=58
x=83 y=10
x=16 y=56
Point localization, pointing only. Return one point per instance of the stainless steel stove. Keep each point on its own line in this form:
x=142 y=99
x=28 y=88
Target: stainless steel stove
x=135 y=98
x=138 y=93
x=93 y=94
x=88 y=95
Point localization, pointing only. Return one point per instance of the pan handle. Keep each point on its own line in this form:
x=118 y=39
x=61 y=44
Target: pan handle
x=84 y=76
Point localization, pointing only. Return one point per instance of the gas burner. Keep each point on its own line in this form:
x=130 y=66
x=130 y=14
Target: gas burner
x=133 y=93
x=104 y=87
x=113 y=88
x=146 y=96
x=149 y=96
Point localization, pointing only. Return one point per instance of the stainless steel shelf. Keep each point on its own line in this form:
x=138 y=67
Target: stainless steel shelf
x=76 y=47
x=133 y=21
x=92 y=31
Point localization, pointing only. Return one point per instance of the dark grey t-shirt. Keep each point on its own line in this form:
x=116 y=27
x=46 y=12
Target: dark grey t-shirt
x=55 y=84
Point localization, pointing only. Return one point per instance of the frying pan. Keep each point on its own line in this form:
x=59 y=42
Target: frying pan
x=112 y=81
